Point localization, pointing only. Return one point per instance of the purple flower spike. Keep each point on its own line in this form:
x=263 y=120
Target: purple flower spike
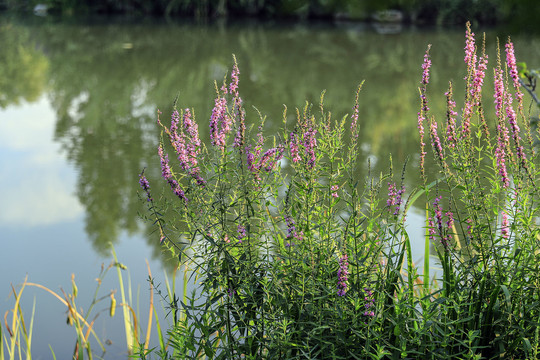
x=438 y=227
x=505 y=227
x=220 y=123
x=511 y=62
x=425 y=66
x=369 y=299
x=343 y=275
x=241 y=232
x=354 y=116
x=435 y=141
x=233 y=86
x=451 y=114
x=424 y=108
x=293 y=144
x=334 y=190
x=470 y=48
x=165 y=169
x=145 y=185
x=512 y=120
x=499 y=92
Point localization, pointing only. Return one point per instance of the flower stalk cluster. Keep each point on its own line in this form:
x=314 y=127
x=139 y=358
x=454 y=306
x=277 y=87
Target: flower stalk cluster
x=438 y=228
x=343 y=275
x=303 y=141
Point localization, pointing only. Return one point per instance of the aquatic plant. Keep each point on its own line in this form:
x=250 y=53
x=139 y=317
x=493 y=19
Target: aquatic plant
x=17 y=340
x=298 y=258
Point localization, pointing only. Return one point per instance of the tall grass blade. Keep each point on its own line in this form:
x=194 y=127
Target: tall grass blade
x=426 y=254
x=2 y=339
x=52 y=352
x=28 y=336
x=127 y=319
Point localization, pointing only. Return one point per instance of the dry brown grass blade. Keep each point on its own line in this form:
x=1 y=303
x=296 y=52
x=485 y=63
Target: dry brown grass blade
x=72 y=311
x=6 y=323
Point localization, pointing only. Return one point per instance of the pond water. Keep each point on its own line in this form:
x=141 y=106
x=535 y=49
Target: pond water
x=78 y=105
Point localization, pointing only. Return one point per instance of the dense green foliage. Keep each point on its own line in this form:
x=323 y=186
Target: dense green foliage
x=296 y=257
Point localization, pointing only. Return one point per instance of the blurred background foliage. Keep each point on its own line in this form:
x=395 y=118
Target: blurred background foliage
x=23 y=69
x=516 y=13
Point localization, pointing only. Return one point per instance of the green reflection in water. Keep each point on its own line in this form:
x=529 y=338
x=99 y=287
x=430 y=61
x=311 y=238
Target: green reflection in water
x=106 y=83
x=23 y=68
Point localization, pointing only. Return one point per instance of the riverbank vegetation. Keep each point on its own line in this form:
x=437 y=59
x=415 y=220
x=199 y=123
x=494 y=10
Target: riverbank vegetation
x=298 y=258
x=433 y=11
x=295 y=256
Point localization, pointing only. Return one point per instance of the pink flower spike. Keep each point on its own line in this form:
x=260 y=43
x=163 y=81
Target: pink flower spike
x=426 y=66
x=511 y=62
x=470 y=48
x=505 y=226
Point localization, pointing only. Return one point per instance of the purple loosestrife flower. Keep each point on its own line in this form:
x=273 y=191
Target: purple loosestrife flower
x=238 y=112
x=394 y=197
x=173 y=129
x=469 y=227
x=270 y=157
x=192 y=148
x=291 y=228
x=145 y=185
x=435 y=141
x=511 y=62
x=251 y=158
x=470 y=48
x=470 y=60
x=233 y=86
x=310 y=143
x=220 y=122
x=475 y=94
x=267 y=161
x=293 y=145
x=192 y=132
x=479 y=76
x=502 y=131
x=451 y=114
x=467 y=115
x=241 y=233
x=500 y=153
x=354 y=116
x=241 y=131
x=369 y=301
x=167 y=174
x=512 y=120
x=425 y=66
x=343 y=275
x=391 y=194
x=424 y=108
x=291 y=232
x=164 y=158
x=439 y=228
x=178 y=141
x=505 y=225
x=302 y=142
x=334 y=190
x=499 y=92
